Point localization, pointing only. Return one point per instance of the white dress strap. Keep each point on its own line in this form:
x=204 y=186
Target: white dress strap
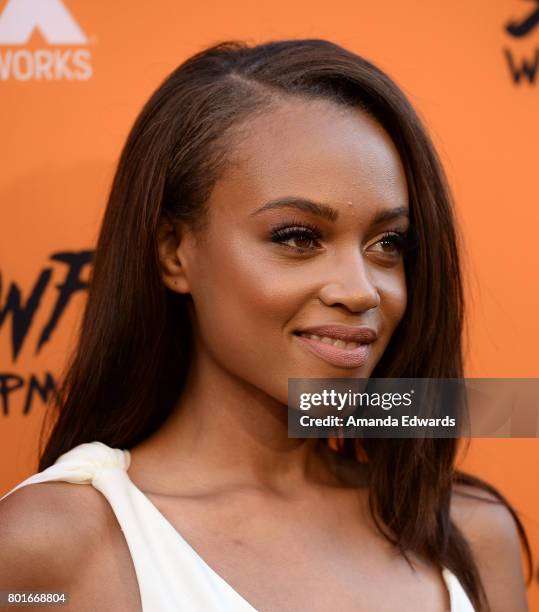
x=460 y=602
x=171 y=577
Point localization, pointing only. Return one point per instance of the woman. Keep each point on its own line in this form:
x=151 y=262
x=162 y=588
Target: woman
x=265 y=204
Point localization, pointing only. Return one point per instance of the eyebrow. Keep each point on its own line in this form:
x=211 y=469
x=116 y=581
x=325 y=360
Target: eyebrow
x=325 y=211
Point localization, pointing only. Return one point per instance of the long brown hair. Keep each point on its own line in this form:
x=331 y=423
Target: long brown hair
x=131 y=360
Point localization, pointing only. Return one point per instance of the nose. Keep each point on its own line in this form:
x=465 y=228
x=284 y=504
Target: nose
x=351 y=286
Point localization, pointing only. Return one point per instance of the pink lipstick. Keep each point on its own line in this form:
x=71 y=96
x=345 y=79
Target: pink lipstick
x=343 y=354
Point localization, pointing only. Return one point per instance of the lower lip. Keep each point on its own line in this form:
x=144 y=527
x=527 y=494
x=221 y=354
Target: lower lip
x=340 y=357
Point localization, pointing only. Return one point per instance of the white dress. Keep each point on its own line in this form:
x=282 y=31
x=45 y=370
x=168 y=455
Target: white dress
x=171 y=575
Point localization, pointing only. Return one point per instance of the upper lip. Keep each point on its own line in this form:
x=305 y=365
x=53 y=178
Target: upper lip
x=362 y=334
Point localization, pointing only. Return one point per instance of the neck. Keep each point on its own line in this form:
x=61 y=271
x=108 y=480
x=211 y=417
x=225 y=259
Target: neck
x=224 y=432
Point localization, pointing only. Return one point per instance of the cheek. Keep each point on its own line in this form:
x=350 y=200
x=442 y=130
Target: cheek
x=393 y=299
x=242 y=305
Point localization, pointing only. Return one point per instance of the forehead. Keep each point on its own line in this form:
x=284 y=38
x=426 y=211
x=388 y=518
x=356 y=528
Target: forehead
x=314 y=149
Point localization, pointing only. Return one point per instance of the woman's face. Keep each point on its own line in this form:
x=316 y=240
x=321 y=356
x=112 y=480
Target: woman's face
x=262 y=272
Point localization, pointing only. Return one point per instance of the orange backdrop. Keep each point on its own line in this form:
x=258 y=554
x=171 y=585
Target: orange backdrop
x=73 y=76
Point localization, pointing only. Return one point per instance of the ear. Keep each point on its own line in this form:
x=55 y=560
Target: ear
x=172 y=242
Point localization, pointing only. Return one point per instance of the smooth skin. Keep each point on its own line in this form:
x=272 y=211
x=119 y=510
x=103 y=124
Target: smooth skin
x=266 y=512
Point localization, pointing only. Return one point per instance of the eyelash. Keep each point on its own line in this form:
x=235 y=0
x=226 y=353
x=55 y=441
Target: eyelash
x=305 y=230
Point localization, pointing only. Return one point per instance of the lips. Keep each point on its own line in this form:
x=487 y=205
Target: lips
x=364 y=335
x=336 y=355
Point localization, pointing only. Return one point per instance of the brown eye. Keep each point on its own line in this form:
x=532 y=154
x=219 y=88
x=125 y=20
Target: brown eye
x=392 y=243
x=300 y=239
x=302 y=242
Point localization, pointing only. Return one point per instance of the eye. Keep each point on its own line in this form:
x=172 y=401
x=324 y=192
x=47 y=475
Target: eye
x=393 y=243
x=303 y=237
x=300 y=238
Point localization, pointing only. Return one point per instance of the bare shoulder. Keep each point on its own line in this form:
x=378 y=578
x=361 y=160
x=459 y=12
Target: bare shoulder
x=491 y=531
x=61 y=536
x=46 y=529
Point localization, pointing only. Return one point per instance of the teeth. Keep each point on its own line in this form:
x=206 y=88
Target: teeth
x=333 y=341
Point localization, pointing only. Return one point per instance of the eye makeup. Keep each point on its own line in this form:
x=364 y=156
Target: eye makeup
x=300 y=230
